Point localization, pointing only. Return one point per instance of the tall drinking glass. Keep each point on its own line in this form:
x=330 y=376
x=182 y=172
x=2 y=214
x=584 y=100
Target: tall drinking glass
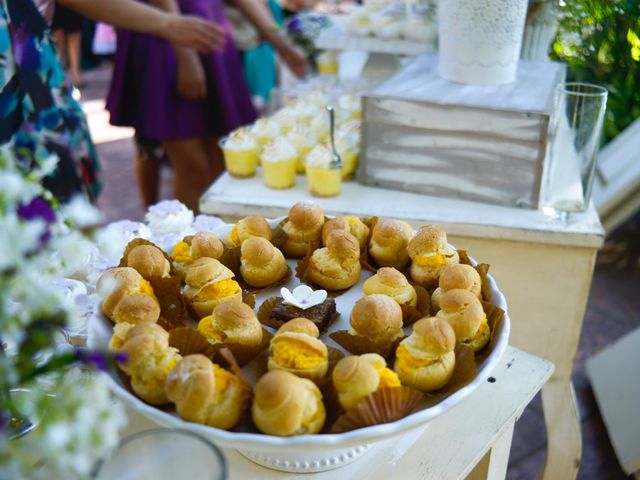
x=574 y=142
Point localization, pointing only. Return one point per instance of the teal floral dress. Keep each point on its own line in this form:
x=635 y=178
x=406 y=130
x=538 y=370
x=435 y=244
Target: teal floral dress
x=38 y=115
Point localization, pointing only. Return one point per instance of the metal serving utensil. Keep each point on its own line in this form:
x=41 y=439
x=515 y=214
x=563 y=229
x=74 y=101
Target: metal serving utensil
x=336 y=161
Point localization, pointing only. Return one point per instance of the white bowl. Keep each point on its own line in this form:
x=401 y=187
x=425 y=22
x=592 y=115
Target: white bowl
x=307 y=453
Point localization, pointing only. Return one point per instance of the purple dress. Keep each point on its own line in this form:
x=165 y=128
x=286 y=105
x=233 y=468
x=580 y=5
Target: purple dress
x=143 y=91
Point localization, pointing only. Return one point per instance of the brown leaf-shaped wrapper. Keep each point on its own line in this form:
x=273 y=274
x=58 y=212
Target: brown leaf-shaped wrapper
x=303 y=264
x=189 y=341
x=278 y=235
x=335 y=356
x=410 y=314
x=231 y=259
x=173 y=309
x=226 y=359
x=382 y=406
x=245 y=353
x=359 y=345
x=463 y=374
x=366 y=261
x=495 y=317
x=141 y=241
x=249 y=298
x=264 y=312
x=483 y=271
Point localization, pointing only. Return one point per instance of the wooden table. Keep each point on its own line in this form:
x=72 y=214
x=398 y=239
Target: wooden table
x=472 y=440
x=544 y=268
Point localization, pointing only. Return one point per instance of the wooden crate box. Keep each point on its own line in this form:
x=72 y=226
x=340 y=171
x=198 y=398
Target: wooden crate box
x=424 y=134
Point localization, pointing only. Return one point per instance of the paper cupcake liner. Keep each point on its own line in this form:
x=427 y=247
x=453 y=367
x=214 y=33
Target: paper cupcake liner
x=249 y=298
x=173 y=310
x=244 y=354
x=482 y=269
x=410 y=314
x=495 y=317
x=264 y=313
x=231 y=259
x=463 y=374
x=278 y=235
x=359 y=345
x=334 y=356
x=302 y=266
x=226 y=359
x=189 y=341
x=141 y=241
x=382 y=406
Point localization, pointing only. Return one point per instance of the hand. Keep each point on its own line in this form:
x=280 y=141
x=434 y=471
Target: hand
x=192 y=81
x=194 y=32
x=296 y=5
x=295 y=59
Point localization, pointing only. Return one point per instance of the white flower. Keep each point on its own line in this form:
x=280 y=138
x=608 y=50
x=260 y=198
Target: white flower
x=206 y=223
x=113 y=239
x=169 y=216
x=46 y=167
x=81 y=212
x=14 y=189
x=303 y=297
x=73 y=253
x=18 y=238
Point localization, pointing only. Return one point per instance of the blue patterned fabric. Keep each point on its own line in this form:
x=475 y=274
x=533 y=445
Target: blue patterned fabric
x=38 y=115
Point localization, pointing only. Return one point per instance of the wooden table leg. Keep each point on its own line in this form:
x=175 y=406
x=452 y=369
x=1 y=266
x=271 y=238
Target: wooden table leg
x=564 y=440
x=493 y=465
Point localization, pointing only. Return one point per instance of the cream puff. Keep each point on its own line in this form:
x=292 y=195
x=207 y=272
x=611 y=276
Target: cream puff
x=296 y=348
x=458 y=276
x=348 y=223
x=304 y=225
x=118 y=283
x=336 y=266
x=149 y=361
x=209 y=283
x=356 y=377
x=261 y=264
x=389 y=281
x=249 y=227
x=206 y=393
x=464 y=312
x=378 y=318
x=202 y=244
x=287 y=405
x=388 y=244
x=430 y=255
x=149 y=261
x=425 y=360
x=232 y=322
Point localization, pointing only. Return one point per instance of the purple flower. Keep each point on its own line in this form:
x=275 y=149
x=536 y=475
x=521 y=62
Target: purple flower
x=99 y=360
x=37 y=208
x=121 y=357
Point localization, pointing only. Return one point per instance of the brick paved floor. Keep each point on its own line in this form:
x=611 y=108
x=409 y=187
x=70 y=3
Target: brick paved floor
x=613 y=309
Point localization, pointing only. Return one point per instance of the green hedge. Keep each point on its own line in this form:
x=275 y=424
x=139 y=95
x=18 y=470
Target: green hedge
x=600 y=42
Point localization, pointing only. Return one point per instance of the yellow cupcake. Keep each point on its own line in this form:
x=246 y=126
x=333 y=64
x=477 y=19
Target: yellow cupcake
x=240 y=151
x=323 y=180
x=279 y=162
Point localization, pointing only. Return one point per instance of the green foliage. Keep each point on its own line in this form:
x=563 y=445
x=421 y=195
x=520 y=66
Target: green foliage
x=600 y=42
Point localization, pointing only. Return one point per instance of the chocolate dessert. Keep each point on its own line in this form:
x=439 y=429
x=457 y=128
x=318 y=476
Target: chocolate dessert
x=322 y=315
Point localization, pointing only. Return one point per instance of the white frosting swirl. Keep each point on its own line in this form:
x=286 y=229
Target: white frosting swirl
x=319 y=157
x=285 y=117
x=316 y=97
x=169 y=216
x=303 y=110
x=320 y=123
x=301 y=136
x=278 y=150
x=240 y=140
x=265 y=128
x=349 y=102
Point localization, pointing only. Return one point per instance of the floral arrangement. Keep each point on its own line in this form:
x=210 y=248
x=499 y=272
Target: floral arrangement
x=56 y=416
x=303 y=28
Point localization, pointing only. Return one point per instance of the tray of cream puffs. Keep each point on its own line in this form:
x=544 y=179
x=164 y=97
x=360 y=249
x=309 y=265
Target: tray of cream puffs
x=301 y=331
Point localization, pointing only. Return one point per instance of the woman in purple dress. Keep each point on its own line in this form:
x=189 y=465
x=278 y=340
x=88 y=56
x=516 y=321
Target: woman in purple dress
x=183 y=99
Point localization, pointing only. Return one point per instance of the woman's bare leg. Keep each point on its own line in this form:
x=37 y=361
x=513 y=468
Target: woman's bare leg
x=74 y=39
x=61 y=40
x=216 y=159
x=192 y=166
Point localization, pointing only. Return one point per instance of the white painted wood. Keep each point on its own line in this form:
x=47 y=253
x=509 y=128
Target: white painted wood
x=615 y=380
x=493 y=465
x=564 y=440
x=451 y=445
x=615 y=191
x=231 y=197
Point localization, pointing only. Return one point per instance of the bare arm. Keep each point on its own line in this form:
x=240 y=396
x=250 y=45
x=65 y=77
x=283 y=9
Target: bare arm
x=260 y=17
x=181 y=30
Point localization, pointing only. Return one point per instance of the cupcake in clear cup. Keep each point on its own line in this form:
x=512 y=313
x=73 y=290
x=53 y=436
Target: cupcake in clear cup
x=304 y=111
x=240 y=150
x=320 y=126
x=285 y=118
x=323 y=179
x=279 y=160
x=304 y=139
x=348 y=147
x=265 y=130
x=327 y=63
x=351 y=105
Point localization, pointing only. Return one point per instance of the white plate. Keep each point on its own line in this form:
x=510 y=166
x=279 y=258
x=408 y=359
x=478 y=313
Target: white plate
x=307 y=452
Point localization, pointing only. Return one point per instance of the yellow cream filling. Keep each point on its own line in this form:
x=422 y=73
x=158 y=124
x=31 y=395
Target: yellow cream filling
x=182 y=253
x=223 y=378
x=484 y=325
x=296 y=355
x=388 y=378
x=221 y=289
x=156 y=381
x=206 y=328
x=235 y=236
x=145 y=288
x=407 y=362
x=430 y=260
